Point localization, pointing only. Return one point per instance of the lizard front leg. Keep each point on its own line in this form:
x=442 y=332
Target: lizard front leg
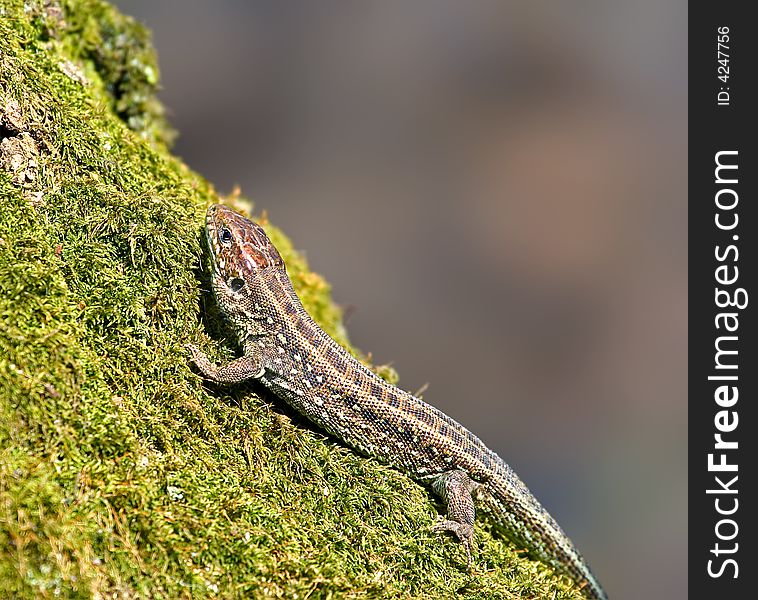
x=240 y=369
x=455 y=487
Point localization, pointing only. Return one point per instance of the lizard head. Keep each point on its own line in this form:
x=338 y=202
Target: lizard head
x=240 y=250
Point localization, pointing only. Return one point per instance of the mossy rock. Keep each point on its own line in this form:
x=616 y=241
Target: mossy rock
x=122 y=473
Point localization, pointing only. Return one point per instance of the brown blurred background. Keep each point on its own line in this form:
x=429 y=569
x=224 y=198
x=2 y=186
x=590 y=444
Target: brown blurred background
x=497 y=192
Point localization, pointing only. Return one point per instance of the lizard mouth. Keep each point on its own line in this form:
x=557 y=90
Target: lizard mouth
x=211 y=238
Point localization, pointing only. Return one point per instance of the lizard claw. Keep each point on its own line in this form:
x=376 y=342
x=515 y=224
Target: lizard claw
x=463 y=531
x=200 y=360
x=194 y=351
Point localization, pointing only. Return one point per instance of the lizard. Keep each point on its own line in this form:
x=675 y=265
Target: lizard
x=286 y=350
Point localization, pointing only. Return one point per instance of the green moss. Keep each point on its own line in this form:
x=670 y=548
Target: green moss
x=122 y=474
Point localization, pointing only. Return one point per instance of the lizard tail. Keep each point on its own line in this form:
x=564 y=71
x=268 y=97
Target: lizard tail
x=529 y=525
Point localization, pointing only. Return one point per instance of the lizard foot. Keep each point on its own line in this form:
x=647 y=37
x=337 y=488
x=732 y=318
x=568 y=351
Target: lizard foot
x=463 y=531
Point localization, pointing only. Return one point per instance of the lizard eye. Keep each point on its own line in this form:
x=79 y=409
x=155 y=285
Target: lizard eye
x=237 y=284
x=225 y=235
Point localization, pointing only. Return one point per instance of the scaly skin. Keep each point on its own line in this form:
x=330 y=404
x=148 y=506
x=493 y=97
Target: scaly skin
x=290 y=354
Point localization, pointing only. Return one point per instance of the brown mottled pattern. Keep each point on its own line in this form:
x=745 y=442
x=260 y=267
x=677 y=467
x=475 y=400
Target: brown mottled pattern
x=290 y=354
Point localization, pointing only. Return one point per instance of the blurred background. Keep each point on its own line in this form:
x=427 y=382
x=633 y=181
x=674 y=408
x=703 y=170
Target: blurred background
x=497 y=192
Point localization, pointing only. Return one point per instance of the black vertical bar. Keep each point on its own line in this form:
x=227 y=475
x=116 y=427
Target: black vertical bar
x=722 y=261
